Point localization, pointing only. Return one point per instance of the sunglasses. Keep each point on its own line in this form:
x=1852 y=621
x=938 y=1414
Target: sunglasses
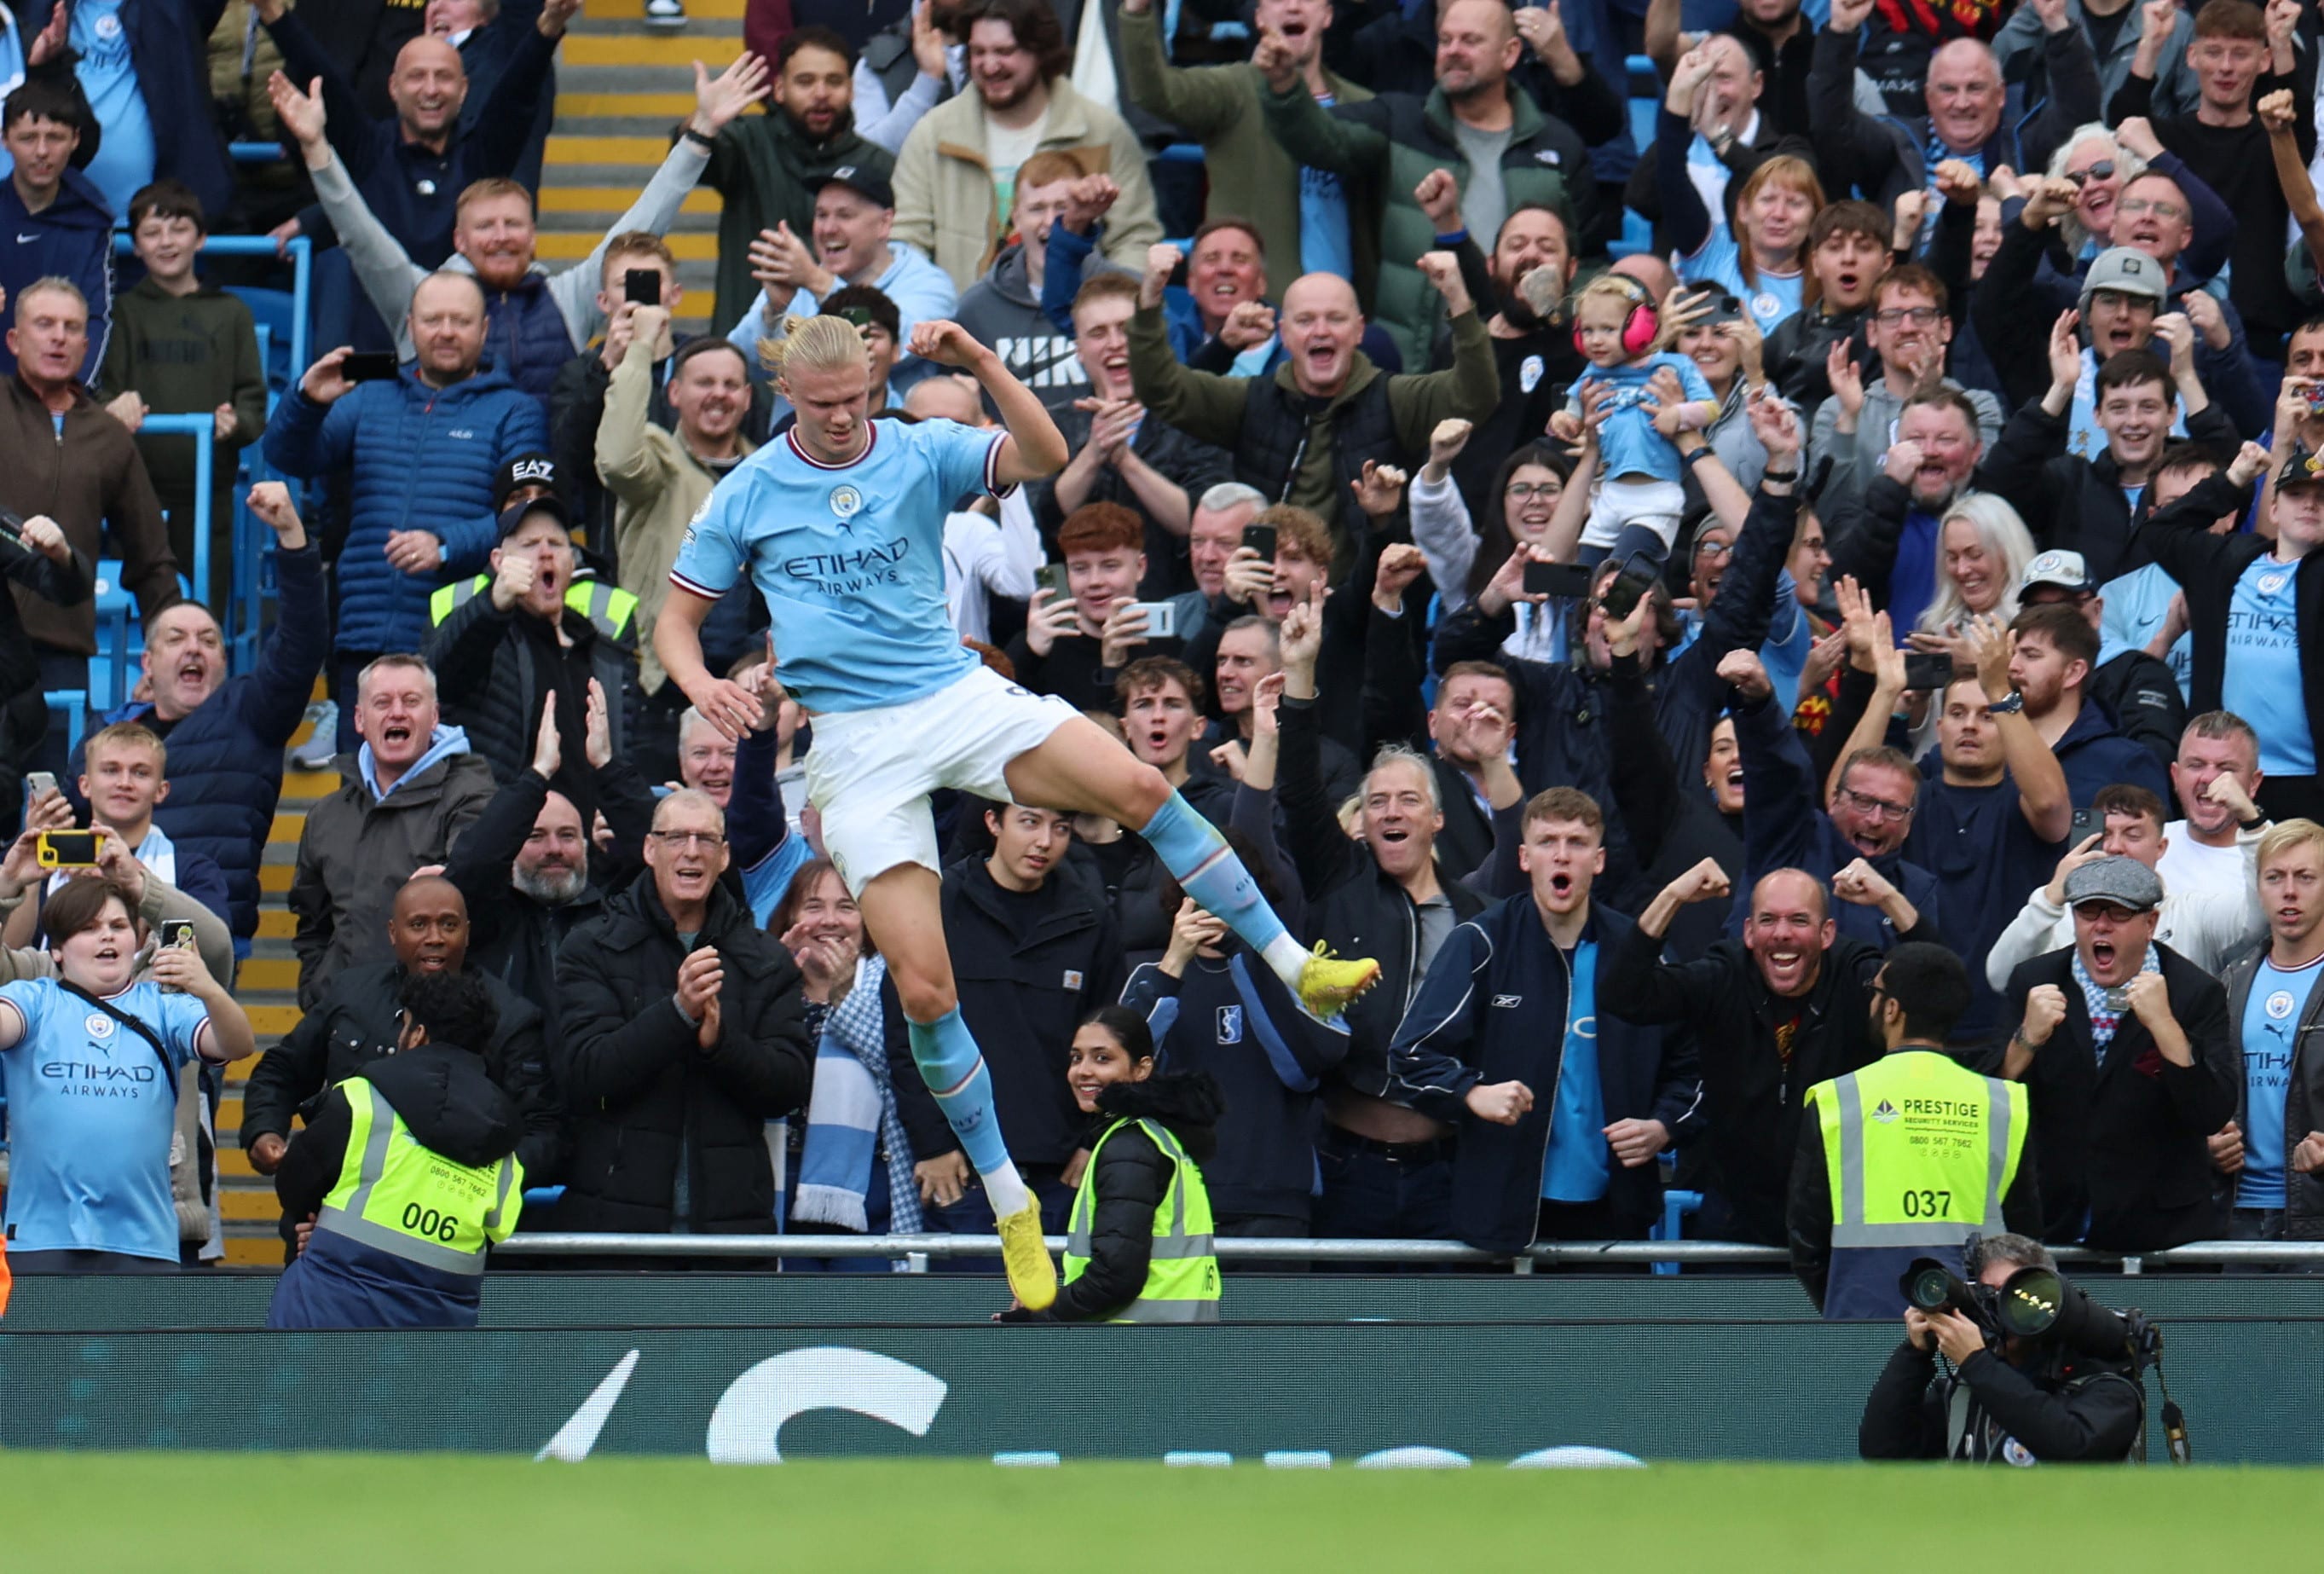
x=2101 y=171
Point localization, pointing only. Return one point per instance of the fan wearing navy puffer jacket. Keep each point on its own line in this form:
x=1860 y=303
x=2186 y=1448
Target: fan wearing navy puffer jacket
x=226 y=735
x=425 y=447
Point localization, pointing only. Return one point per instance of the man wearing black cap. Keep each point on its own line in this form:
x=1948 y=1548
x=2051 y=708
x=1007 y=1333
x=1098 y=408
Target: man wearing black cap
x=854 y=209
x=526 y=478
x=2252 y=604
x=2123 y=1046
x=508 y=647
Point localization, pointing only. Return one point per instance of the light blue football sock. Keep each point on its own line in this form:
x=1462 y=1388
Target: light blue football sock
x=1209 y=871
x=949 y=1062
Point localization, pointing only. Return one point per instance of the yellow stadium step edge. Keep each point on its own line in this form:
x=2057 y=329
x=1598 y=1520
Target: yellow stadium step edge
x=630 y=50
x=615 y=200
x=696 y=11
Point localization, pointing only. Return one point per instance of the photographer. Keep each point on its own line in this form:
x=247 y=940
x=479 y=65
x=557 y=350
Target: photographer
x=2029 y=1400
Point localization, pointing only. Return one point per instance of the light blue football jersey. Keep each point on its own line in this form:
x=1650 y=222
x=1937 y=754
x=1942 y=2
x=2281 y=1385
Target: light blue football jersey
x=850 y=558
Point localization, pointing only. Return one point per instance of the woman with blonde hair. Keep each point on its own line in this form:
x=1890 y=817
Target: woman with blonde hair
x=1982 y=550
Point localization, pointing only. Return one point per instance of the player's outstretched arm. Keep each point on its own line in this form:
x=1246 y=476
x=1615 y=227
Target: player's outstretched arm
x=1036 y=447
x=726 y=705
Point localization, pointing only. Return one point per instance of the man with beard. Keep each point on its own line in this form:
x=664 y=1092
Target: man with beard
x=409 y=167
x=957 y=173
x=2055 y=658
x=356 y=1021
x=538 y=321
x=523 y=864
x=767 y=167
x=2137 y=688
x=1503 y=149
x=1772 y=1013
x=1789 y=823
x=1908 y=329
x=1533 y=352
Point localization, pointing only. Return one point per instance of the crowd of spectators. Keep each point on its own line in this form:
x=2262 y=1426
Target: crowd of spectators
x=1625 y=590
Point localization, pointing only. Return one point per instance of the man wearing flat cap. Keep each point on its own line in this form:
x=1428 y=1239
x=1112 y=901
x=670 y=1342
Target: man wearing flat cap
x=2123 y=1046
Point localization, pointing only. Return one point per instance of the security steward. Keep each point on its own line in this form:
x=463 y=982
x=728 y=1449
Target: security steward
x=407 y=1174
x=1909 y=1156
x=1138 y=1247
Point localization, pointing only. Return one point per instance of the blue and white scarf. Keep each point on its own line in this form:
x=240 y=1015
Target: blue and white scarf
x=2105 y=1016
x=851 y=1115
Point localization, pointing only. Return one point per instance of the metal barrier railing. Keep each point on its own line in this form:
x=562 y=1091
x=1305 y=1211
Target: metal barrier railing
x=1387 y=1253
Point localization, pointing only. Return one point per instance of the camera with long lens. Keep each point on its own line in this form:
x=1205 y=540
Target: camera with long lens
x=2035 y=1303
x=2044 y=1308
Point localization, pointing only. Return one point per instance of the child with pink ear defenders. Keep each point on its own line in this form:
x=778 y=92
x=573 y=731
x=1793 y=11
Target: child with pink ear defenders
x=1638 y=498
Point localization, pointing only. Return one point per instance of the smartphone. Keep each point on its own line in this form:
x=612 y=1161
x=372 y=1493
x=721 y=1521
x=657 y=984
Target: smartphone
x=1161 y=619
x=1569 y=580
x=67 y=849
x=369 y=366
x=178 y=934
x=1723 y=309
x=12 y=525
x=1051 y=576
x=1927 y=670
x=643 y=286
x=1636 y=579
x=1260 y=539
x=37 y=782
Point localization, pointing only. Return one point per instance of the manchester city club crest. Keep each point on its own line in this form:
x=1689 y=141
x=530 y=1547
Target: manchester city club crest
x=846 y=501
x=98 y=1024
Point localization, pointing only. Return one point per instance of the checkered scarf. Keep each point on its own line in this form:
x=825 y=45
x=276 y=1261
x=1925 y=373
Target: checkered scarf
x=2104 y=1015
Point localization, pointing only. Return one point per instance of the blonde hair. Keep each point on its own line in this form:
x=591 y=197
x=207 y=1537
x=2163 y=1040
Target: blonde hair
x=1630 y=294
x=814 y=344
x=2282 y=837
x=2005 y=540
x=1793 y=174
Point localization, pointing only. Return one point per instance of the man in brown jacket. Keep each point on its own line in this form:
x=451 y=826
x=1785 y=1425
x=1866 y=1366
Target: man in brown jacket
x=71 y=460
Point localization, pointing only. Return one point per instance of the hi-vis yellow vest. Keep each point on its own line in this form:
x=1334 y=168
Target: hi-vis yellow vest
x=401 y=1198
x=1182 y=1277
x=1919 y=1152
x=609 y=608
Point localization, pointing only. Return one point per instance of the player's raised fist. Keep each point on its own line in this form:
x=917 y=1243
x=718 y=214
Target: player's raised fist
x=948 y=344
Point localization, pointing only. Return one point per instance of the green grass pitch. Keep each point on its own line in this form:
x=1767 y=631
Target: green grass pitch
x=351 y=1513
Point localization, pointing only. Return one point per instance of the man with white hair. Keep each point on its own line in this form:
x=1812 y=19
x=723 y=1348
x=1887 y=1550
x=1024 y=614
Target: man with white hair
x=1388 y=890
x=1968 y=108
x=684 y=1032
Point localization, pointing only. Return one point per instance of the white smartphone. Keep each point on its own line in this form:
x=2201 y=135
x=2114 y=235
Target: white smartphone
x=1161 y=619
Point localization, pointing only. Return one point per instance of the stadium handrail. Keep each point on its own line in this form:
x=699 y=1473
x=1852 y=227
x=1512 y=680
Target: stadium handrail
x=1563 y=1254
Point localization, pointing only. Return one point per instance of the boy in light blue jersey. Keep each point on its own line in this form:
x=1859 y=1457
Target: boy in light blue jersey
x=1640 y=499
x=841 y=526
x=92 y=1055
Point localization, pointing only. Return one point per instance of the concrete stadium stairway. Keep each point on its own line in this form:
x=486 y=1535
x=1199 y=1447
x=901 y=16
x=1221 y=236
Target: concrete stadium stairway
x=268 y=988
x=621 y=88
